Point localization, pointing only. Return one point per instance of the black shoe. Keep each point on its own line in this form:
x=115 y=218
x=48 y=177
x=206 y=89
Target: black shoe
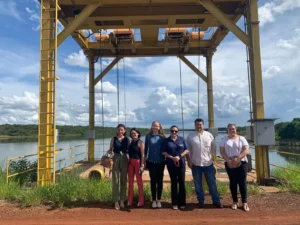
x=201 y=205
x=218 y=205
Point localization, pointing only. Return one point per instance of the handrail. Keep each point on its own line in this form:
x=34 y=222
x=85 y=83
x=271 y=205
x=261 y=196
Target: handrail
x=56 y=152
x=287 y=153
x=296 y=171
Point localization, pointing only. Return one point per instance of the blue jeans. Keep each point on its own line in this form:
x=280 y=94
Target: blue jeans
x=210 y=179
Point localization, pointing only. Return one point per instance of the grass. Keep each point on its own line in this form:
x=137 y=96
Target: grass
x=289 y=180
x=71 y=191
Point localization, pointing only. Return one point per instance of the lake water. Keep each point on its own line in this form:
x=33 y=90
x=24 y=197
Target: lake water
x=15 y=149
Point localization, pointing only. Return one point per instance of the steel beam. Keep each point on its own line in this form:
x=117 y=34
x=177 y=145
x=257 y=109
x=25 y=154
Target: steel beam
x=107 y=69
x=144 y=45
x=226 y=21
x=74 y=24
x=210 y=101
x=91 y=141
x=189 y=64
x=47 y=114
x=261 y=152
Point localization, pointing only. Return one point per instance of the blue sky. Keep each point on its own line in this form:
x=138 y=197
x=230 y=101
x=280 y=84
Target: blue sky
x=152 y=84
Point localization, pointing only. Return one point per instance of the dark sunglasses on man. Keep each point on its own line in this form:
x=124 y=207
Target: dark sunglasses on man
x=174 y=131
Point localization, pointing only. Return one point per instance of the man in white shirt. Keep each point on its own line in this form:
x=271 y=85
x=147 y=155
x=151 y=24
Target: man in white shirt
x=200 y=159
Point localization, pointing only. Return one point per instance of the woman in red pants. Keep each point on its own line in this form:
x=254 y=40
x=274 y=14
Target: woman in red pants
x=135 y=166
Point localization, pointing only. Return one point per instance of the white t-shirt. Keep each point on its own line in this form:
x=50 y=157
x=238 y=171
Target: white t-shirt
x=234 y=146
x=201 y=147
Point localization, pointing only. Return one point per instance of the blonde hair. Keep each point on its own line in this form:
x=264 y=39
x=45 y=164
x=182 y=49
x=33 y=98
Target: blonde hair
x=160 y=131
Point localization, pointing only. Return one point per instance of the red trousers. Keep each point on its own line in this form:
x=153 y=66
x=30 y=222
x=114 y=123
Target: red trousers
x=133 y=169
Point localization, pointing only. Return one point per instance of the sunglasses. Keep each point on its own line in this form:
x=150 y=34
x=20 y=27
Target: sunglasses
x=174 y=131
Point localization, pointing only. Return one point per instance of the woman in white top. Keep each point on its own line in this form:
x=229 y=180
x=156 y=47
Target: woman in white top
x=234 y=150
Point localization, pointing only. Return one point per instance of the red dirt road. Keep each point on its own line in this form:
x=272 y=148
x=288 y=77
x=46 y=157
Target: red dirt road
x=265 y=209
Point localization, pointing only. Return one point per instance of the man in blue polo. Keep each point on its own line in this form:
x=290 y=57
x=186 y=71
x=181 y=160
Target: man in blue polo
x=200 y=159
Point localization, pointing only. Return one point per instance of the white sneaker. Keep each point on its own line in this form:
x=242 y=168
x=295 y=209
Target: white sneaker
x=158 y=203
x=175 y=207
x=122 y=204
x=117 y=206
x=154 y=205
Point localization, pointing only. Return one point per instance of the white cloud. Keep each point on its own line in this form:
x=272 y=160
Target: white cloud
x=29 y=10
x=230 y=104
x=77 y=59
x=286 y=44
x=10 y=8
x=268 y=12
x=164 y=105
x=271 y=71
x=107 y=86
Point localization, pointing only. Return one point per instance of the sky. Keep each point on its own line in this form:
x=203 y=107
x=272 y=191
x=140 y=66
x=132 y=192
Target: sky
x=152 y=85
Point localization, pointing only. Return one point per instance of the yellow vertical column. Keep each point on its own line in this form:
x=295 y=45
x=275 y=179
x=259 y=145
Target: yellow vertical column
x=91 y=145
x=261 y=152
x=46 y=125
x=210 y=101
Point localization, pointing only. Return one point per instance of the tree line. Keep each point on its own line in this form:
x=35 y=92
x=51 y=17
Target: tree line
x=65 y=131
x=283 y=131
x=288 y=130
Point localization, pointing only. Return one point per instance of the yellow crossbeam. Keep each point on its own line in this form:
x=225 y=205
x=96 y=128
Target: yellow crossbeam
x=74 y=24
x=226 y=21
x=107 y=69
x=189 y=64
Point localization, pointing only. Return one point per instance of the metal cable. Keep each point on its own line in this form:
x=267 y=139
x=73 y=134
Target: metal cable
x=124 y=90
x=118 y=91
x=199 y=70
x=180 y=88
x=102 y=96
x=248 y=71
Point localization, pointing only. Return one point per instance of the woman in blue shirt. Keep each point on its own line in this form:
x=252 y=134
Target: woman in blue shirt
x=155 y=161
x=175 y=149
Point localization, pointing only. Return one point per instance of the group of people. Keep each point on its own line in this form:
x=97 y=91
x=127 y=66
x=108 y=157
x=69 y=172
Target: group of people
x=131 y=157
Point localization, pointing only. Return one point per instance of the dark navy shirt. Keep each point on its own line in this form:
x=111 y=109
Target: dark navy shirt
x=134 y=150
x=153 y=148
x=121 y=146
x=174 y=148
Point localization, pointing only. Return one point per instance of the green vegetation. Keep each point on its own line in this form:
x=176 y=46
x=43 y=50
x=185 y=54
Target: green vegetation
x=66 y=132
x=288 y=130
x=21 y=166
x=289 y=180
x=71 y=190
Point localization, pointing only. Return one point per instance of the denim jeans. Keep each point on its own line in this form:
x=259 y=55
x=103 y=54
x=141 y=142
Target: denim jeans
x=210 y=179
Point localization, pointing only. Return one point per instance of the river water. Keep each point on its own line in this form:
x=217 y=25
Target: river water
x=15 y=149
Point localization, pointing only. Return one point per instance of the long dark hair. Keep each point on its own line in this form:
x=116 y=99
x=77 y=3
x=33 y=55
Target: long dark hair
x=122 y=125
x=136 y=130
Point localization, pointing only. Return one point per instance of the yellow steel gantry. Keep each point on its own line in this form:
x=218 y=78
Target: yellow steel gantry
x=47 y=107
x=149 y=17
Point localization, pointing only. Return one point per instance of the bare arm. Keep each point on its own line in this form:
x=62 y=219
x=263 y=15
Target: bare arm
x=167 y=155
x=111 y=145
x=244 y=152
x=185 y=152
x=223 y=154
x=142 y=149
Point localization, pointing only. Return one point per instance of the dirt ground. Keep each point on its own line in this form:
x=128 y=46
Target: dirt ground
x=271 y=208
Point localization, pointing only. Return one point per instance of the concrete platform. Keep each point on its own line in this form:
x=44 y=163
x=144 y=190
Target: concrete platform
x=221 y=175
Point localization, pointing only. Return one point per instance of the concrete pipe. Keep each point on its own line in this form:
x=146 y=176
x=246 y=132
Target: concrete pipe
x=94 y=172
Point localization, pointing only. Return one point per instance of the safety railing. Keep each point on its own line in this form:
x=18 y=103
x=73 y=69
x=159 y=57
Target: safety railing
x=72 y=156
x=282 y=167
